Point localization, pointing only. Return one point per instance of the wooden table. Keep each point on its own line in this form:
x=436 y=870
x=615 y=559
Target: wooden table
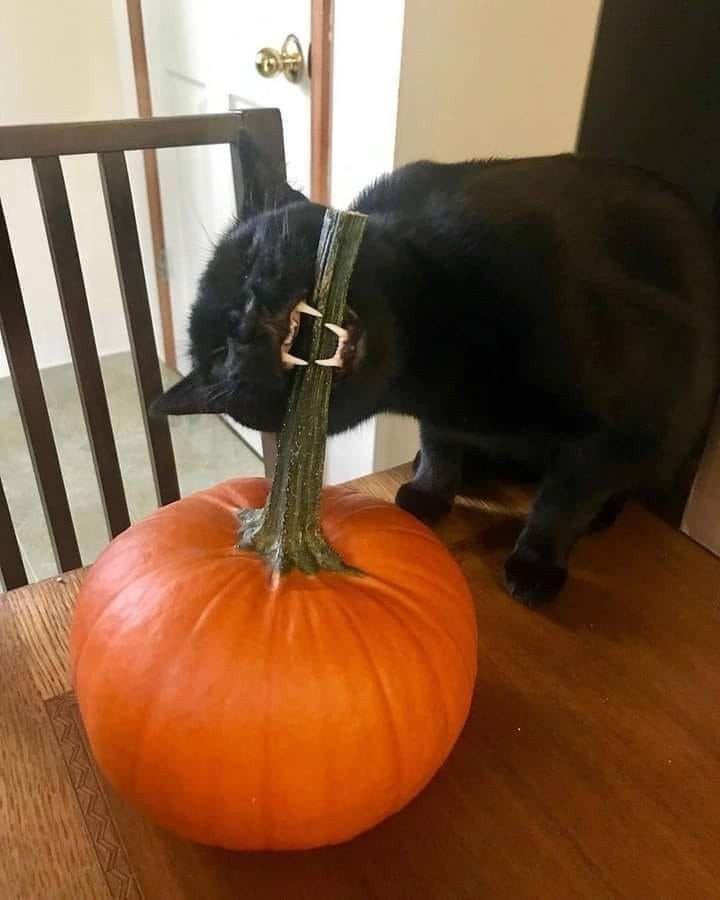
x=589 y=767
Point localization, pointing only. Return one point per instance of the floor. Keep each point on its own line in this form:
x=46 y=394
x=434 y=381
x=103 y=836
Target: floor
x=206 y=449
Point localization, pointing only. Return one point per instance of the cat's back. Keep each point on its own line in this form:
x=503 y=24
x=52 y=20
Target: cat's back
x=576 y=262
x=508 y=188
x=567 y=210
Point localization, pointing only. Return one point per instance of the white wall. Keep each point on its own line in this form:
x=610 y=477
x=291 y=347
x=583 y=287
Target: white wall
x=66 y=62
x=367 y=52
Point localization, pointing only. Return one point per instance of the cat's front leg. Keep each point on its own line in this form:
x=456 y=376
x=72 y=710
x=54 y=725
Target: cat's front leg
x=586 y=484
x=438 y=468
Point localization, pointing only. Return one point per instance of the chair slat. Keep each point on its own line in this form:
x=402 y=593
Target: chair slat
x=73 y=299
x=123 y=228
x=33 y=408
x=12 y=570
x=267 y=133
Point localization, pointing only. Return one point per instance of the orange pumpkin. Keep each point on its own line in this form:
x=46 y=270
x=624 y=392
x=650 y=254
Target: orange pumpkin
x=276 y=668
x=252 y=716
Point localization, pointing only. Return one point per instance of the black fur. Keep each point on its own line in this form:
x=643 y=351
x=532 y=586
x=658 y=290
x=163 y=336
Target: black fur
x=558 y=316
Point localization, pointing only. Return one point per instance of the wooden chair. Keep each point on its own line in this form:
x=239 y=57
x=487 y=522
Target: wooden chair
x=44 y=145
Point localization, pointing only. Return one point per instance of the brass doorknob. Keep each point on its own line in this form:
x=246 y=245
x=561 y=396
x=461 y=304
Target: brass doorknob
x=289 y=60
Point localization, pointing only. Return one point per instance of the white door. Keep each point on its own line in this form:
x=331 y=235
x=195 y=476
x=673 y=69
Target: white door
x=201 y=59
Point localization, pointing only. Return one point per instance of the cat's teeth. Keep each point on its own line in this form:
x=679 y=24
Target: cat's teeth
x=335 y=361
x=289 y=360
x=338 y=330
x=304 y=307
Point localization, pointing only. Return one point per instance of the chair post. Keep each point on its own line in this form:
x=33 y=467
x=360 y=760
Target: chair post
x=133 y=290
x=44 y=145
x=60 y=232
x=265 y=128
x=12 y=568
x=27 y=383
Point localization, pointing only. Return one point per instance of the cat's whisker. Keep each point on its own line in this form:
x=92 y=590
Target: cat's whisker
x=230 y=395
x=221 y=392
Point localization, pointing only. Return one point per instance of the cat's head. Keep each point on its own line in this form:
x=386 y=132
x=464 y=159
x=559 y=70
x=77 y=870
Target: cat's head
x=249 y=325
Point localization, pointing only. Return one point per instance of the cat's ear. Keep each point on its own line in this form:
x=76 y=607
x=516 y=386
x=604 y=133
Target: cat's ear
x=263 y=187
x=189 y=395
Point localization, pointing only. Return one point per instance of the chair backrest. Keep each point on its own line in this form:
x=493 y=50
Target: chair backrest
x=44 y=145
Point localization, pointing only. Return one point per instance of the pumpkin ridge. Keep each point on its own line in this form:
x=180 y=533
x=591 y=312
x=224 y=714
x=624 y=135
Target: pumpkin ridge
x=382 y=692
x=218 y=793
x=169 y=564
x=239 y=575
x=142 y=737
x=168 y=676
x=423 y=653
x=431 y=623
x=310 y=614
x=270 y=611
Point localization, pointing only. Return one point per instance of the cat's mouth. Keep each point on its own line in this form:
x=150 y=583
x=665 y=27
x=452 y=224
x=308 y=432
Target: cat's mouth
x=350 y=341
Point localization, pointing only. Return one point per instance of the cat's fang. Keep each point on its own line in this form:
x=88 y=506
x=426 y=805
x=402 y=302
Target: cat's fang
x=334 y=361
x=338 y=330
x=304 y=307
x=288 y=360
x=337 y=360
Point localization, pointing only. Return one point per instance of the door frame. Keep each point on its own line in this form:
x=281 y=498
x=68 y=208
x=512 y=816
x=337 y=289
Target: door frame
x=321 y=26
x=320 y=67
x=152 y=180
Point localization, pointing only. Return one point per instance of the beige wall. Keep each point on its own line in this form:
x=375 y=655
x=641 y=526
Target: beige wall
x=62 y=62
x=486 y=78
x=492 y=77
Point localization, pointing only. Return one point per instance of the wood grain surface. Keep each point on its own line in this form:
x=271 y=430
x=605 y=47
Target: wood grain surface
x=589 y=766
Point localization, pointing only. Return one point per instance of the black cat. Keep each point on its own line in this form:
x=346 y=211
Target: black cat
x=560 y=315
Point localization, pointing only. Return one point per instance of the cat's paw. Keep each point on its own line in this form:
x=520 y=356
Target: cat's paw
x=608 y=514
x=429 y=508
x=532 y=580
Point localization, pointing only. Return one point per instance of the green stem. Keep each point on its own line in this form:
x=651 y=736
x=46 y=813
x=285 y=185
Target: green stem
x=287 y=532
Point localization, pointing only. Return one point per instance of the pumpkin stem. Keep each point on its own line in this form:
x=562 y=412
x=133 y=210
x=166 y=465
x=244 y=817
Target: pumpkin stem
x=287 y=530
